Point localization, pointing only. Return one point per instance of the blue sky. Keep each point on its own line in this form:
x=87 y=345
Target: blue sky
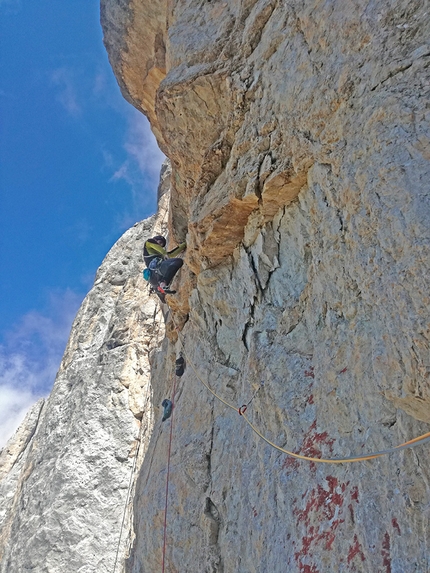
x=78 y=166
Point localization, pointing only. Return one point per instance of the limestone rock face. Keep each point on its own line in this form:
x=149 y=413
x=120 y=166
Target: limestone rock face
x=147 y=26
x=65 y=475
x=300 y=143
x=12 y=462
x=262 y=100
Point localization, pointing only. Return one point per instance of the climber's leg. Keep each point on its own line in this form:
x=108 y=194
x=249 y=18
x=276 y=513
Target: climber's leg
x=169 y=268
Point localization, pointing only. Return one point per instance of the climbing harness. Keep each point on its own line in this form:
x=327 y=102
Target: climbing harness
x=242 y=412
x=155 y=263
x=152 y=275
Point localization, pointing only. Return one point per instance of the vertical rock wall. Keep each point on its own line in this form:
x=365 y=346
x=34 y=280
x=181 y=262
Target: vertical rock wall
x=236 y=504
x=299 y=136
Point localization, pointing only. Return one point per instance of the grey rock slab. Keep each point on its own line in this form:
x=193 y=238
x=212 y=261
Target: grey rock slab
x=65 y=476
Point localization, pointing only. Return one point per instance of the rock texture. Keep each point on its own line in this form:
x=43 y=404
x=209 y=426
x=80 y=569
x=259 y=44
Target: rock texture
x=299 y=138
x=263 y=100
x=65 y=475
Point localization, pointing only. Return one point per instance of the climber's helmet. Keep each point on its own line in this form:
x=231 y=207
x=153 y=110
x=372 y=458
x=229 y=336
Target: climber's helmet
x=160 y=240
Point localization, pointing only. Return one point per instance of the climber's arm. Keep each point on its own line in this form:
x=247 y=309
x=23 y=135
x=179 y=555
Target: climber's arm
x=175 y=252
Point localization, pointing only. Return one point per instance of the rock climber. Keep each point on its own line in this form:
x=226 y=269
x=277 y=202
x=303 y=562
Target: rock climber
x=162 y=265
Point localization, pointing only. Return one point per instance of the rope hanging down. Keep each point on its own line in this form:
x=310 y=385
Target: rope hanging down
x=411 y=443
x=168 y=474
x=138 y=441
x=130 y=483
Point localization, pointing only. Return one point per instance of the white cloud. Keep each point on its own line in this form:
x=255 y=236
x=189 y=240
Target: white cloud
x=30 y=357
x=144 y=155
x=100 y=84
x=14 y=402
x=63 y=79
x=123 y=173
x=142 y=146
x=140 y=170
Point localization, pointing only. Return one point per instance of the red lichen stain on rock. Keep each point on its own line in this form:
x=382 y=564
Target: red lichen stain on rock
x=310 y=447
x=395 y=525
x=290 y=463
x=386 y=557
x=321 y=517
x=309 y=569
x=310 y=373
x=313 y=439
x=310 y=400
x=354 y=550
x=324 y=507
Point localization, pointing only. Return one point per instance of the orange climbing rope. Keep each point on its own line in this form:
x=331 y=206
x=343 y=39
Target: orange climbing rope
x=420 y=440
x=241 y=410
x=168 y=474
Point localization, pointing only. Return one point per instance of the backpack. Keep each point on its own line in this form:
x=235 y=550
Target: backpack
x=151 y=272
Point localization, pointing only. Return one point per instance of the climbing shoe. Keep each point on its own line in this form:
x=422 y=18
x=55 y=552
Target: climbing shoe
x=165 y=290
